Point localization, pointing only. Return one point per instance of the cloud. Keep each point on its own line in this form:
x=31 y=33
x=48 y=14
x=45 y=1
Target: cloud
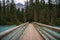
x=21 y=1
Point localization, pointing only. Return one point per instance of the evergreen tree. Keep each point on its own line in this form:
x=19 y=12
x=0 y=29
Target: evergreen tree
x=12 y=11
x=43 y=1
x=0 y=12
x=4 y=13
x=7 y=11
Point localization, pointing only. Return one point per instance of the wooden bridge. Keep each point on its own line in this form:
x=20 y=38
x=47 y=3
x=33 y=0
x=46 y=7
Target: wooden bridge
x=31 y=31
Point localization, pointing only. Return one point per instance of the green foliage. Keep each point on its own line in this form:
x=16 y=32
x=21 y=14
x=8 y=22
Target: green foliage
x=36 y=11
x=9 y=15
x=58 y=21
x=41 y=12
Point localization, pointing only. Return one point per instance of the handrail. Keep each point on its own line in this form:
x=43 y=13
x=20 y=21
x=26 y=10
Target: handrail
x=50 y=31
x=2 y=34
x=53 y=27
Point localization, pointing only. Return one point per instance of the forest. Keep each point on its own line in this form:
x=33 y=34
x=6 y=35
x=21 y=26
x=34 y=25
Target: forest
x=34 y=11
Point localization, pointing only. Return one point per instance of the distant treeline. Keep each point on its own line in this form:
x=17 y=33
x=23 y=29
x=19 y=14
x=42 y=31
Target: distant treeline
x=9 y=14
x=34 y=11
x=39 y=11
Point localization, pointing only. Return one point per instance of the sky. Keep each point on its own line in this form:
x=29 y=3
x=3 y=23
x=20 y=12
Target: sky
x=22 y=1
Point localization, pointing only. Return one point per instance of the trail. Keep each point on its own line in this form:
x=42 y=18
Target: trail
x=31 y=33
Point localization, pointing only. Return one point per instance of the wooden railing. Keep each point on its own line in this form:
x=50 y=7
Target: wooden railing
x=4 y=34
x=47 y=31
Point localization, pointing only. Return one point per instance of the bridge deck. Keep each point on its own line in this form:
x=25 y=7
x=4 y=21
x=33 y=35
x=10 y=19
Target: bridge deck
x=31 y=33
x=27 y=31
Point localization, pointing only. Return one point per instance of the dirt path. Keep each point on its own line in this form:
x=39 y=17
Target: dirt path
x=31 y=33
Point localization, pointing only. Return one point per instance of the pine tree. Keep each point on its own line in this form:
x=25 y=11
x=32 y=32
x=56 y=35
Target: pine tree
x=7 y=11
x=4 y=13
x=12 y=12
x=0 y=6
x=26 y=10
x=43 y=1
x=37 y=9
x=0 y=12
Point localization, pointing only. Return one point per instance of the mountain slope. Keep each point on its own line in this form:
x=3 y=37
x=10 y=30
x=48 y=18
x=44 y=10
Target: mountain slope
x=20 y=5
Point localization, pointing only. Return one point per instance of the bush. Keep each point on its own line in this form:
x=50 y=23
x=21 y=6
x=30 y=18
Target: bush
x=58 y=21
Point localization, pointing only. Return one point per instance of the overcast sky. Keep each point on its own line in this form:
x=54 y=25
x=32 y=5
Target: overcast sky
x=22 y=1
